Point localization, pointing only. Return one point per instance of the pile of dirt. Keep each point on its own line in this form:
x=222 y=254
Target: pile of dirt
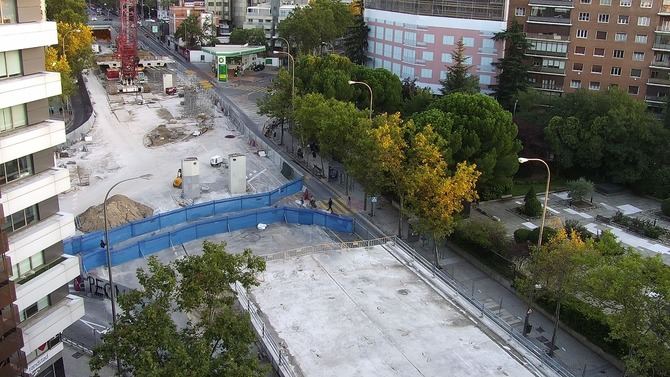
x=162 y=135
x=120 y=210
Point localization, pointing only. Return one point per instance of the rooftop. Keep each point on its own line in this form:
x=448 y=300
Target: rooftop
x=233 y=50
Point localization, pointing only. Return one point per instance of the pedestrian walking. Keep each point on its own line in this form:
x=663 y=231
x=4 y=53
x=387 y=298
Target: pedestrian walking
x=349 y=201
x=330 y=205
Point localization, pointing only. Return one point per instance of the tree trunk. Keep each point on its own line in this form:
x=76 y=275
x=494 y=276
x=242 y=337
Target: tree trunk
x=365 y=200
x=402 y=203
x=557 y=315
x=437 y=260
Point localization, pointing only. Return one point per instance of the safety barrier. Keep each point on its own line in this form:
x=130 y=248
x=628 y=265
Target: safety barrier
x=91 y=241
x=208 y=227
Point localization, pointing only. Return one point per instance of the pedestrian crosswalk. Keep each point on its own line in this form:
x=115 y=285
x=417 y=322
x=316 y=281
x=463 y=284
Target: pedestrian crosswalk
x=339 y=207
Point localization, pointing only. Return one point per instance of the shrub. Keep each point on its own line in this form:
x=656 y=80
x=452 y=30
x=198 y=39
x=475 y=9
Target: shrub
x=532 y=206
x=485 y=234
x=665 y=207
x=574 y=225
x=521 y=235
x=640 y=226
x=547 y=234
x=579 y=189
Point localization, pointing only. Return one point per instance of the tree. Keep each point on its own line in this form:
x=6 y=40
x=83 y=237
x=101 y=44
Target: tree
x=386 y=89
x=209 y=33
x=482 y=133
x=183 y=318
x=277 y=102
x=78 y=39
x=190 y=32
x=580 y=189
x=70 y=11
x=458 y=79
x=56 y=63
x=434 y=196
x=665 y=207
x=356 y=41
x=513 y=67
x=636 y=298
x=531 y=205
x=322 y=21
x=254 y=37
x=414 y=98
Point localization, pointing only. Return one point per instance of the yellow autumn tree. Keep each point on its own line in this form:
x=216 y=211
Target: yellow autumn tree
x=434 y=196
x=56 y=63
x=75 y=41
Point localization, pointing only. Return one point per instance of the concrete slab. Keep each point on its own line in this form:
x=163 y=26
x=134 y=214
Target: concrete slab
x=570 y=211
x=628 y=209
x=529 y=225
x=565 y=195
x=345 y=313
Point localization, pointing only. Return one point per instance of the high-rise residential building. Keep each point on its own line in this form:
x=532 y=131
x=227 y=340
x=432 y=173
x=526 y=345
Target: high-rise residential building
x=260 y=16
x=415 y=40
x=35 y=306
x=598 y=44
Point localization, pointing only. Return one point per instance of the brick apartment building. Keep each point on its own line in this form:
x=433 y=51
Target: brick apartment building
x=35 y=306
x=598 y=44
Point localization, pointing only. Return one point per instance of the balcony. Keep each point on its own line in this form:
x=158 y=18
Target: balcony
x=664 y=11
x=548 y=88
x=656 y=99
x=11 y=344
x=661 y=46
x=665 y=64
x=39 y=236
x=551 y=54
x=24 y=89
x=659 y=81
x=664 y=29
x=45 y=280
x=547 y=70
x=551 y=3
x=27 y=191
x=31 y=139
x=9 y=319
x=548 y=37
x=27 y=35
x=38 y=329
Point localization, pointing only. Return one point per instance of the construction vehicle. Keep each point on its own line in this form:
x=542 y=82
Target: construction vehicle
x=178 y=180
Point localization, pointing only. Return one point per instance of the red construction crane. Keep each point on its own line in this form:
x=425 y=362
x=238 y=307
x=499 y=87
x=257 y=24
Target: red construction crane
x=127 y=41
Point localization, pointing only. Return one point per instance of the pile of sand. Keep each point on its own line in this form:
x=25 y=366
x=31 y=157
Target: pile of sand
x=120 y=210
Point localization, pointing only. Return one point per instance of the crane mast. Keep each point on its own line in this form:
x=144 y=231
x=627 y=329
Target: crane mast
x=127 y=41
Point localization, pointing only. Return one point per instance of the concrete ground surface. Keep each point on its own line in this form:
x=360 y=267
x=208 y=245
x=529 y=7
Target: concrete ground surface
x=76 y=363
x=389 y=321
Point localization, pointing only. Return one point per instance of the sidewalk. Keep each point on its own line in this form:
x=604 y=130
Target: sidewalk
x=576 y=357
x=76 y=363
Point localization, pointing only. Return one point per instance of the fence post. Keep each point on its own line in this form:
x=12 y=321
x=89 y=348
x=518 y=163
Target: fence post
x=473 y=289
x=500 y=308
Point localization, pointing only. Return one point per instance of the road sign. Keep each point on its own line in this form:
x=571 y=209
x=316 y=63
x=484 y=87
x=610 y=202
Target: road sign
x=373 y=199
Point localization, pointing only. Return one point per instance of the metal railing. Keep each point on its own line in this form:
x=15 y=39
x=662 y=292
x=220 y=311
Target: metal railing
x=278 y=357
x=331 y=246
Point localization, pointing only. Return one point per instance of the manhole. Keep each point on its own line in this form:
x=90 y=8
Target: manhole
x=229 y=136
x=403 y=292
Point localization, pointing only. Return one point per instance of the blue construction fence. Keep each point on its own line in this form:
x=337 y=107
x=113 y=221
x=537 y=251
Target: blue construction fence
x=208 y=227
x=91 y=241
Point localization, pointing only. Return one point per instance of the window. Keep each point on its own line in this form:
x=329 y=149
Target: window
x=620 y=37
x=396 y=69
x=34 y=308
x=578 y=67
x=606 y=2
x=594 y=85
x=388 y=51
x=638 y=56
x=429 y=38
x=623 y=20
x=576 y=84
x=8 y=9
x=625 y=3
x=20 y=219
x=488 y=44
x=407 y=72
x=468 y=42
x=397 y=53
x=16 y=169
x=13 y=117
x=520 y=12
x=600 y=52
x=468 y=59
x=635 y=72
x=485 y=79
x=388 y=34
x=408 y=55
x=601 y=35
x=379 y=48
x=580 y=50
x=633 y=89
x=582 y=33
x=28 y=265
x=603 y=18
x=596 y=68
x=397 y=36
x=645 y=4
x=448 y=40
x=10 y=64
x=643 y=21
x=387 y=65
x=410 y=38
x=426 y=73
x=561 y=48
x=615 y=71
x=379 y=32
x=585 y=1
x=618 y=54
x=486 y=64
x=446 y=58
x=641 y=38
x=553 y=64
x=427 y=56
x=443 y=75
x=371 y=47
x=584 y=16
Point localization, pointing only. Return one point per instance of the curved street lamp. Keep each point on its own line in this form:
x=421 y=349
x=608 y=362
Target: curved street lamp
x=369 y=88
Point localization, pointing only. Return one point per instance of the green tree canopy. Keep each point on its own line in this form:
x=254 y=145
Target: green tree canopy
x=356 y=41
x=458 y=79
x=322 y=21
x=531 y=205
x=254 y=37
x=183 y=318
x=70 y=11
x=483 y=133
x=386 y=89
x=513 y=67
x=580 y=189
x=190 y=32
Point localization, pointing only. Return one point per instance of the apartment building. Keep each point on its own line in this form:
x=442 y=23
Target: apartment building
x=415 y=40
x=260 y=16
x=178 y=13
x=598 y=44
x=35 y=306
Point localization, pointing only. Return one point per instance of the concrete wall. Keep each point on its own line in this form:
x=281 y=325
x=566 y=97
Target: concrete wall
x=32 y=60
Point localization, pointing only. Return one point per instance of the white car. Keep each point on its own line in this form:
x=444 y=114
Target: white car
x=94 y=18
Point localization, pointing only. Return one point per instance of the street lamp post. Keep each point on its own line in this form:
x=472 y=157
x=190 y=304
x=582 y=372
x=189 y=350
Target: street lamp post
x=64 y=36
x=523 y=160
x=526 y=320
x=109 y=255
x=288 y=46
x=369 y=88
x=292 y=92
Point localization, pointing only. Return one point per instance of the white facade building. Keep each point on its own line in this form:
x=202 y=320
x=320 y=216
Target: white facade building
x=260 y=16
x=35 y=304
